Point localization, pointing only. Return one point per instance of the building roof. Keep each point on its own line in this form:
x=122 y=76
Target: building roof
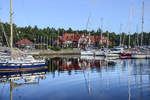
x=24 y=41
x=77 y=37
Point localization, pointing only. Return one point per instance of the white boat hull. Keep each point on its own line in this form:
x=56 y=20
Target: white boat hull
x=111 y=55
x=148 y=56
x=138 y=56
x=91 y=58
x=87 y=53
x=99 y=53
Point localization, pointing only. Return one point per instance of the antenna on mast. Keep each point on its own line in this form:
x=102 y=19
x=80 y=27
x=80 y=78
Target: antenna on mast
x=88 y=22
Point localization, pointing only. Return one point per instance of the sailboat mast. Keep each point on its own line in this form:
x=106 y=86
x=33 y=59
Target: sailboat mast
x=87 y=27
x=142 y=24
x=101 y=30
x=120 y=34
x=137 y=36
x=11 y=26
x=130 y=26
x=108 y=37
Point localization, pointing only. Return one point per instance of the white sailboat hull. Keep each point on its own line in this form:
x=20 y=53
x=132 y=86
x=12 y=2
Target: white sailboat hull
x=111 y=55
x=139 y=56
x=99 y=53
x=148 y=56
x=91 y=58
x=87 y=53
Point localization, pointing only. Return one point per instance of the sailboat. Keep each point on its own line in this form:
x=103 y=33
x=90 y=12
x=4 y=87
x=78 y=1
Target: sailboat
x=87 y=51
x=127 y=54
x=102 y=51
x=141 y=52
x=16 y=60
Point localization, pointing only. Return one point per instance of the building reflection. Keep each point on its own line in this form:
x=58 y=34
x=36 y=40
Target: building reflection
x=134 y=69
x=82 y=65
x=77 y=64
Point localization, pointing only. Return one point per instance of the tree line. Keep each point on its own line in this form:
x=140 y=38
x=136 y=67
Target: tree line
x=50 y=34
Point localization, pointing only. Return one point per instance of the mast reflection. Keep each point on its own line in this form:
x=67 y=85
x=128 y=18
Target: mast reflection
x=29 y=78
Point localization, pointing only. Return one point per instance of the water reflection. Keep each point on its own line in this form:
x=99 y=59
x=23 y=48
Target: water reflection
x=131 y=71
x=81 y=78
x=20 y=79
x=71 y=64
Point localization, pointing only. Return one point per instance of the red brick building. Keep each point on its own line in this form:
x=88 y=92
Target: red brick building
x=81 y=39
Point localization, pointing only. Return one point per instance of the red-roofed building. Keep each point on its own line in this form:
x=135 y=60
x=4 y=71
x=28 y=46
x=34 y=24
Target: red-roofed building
x=25 y=44
x=81 y=39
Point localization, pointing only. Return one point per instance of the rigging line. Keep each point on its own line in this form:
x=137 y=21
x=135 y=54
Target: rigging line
x=123 y=37
x=87 y=27
x=88 y=22
x=137 y=37
x=5 y=34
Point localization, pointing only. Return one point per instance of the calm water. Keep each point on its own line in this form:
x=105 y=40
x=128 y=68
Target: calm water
x=80 y=79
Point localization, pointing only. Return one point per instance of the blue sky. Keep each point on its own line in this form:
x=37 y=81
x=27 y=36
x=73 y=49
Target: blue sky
x=74 y=13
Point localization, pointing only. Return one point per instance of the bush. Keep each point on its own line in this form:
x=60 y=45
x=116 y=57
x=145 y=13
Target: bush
x=69 y=48
x=55 y=48
x=99 y=45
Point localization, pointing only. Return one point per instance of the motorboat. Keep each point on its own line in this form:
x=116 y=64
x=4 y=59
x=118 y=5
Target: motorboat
x=125 y=55
x=87 y=52
x=114 y=52
x=139 y=54
x=100 y=52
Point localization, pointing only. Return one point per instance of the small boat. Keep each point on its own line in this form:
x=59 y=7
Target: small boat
x=87 y=53
x=114 y=52
x=27 y=62
x=92 y=57
x=111 y=55
x=16 y=60
x=112 y=59
x=100 y=52
x=125 y=55
x=148 y=56
x=139 y=56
